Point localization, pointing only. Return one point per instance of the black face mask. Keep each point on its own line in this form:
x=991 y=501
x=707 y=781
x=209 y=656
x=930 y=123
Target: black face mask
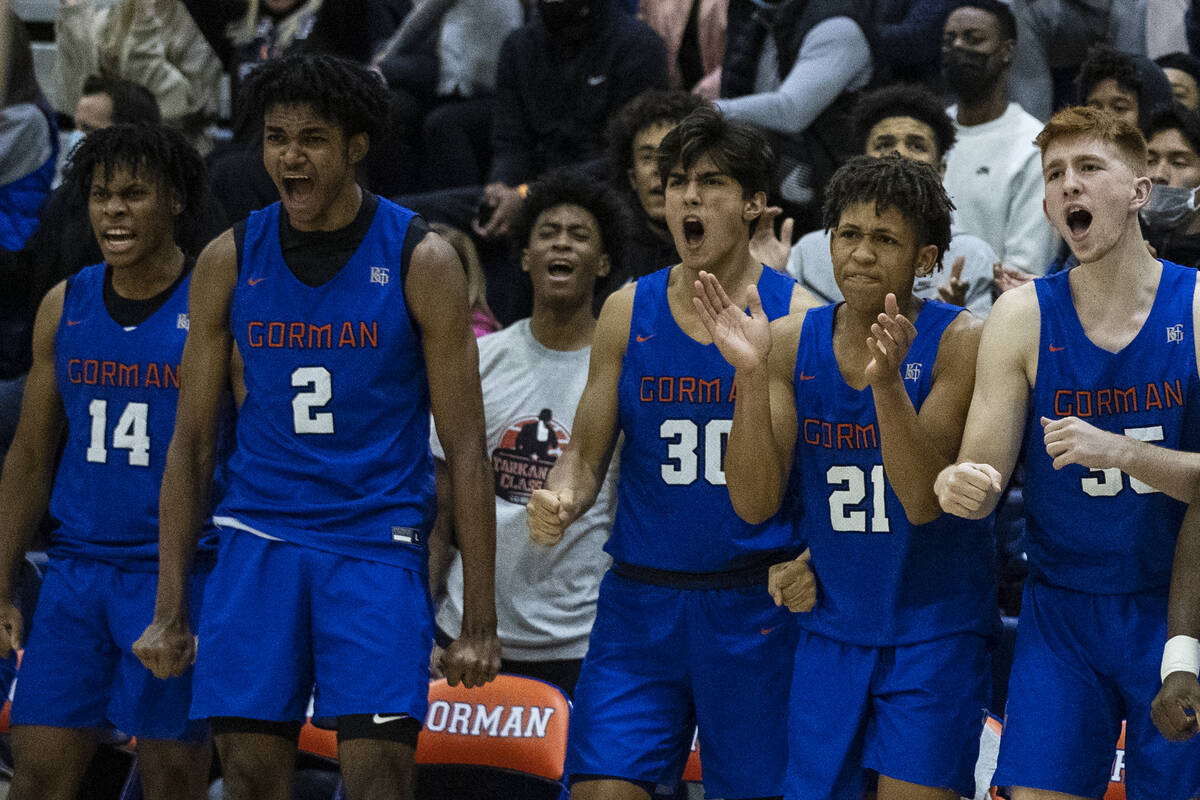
x=564 y=16
x=966 y=72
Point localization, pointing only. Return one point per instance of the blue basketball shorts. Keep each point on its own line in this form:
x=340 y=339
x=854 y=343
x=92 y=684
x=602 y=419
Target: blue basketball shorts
x=281 y=619
x=1084 y=662
x=911 y=712
x=79 y=670
x=662 y=661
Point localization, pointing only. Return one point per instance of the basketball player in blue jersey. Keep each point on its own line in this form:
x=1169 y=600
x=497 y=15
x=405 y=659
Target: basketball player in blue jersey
x=104 y=386
x=686 y=632
x=854 y=407
x=1094 y=372
x=346 y=323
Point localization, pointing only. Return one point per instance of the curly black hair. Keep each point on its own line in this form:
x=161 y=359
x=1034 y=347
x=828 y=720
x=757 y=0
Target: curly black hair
x=910 y=187
x=337 y=89
x=649 y=108
x=738 y=150
x=562 y=186
x=902 y=100
x=160 y=150
x=1104 y=62
x=1176 y=118
x=997 y=8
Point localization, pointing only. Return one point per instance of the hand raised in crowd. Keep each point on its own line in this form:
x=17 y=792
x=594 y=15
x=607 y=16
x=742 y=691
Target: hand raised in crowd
x=166 y=648
x=472 y=659
x=502 y=202
x=968 y=490
x=792 y=583
x=768 y=248
x=1070 y=440
x=743 y=339
x=1176 y=705
x=548 y=514
x=1005 y=278
x=890 y=338
x=954 y=290
x=11 y=627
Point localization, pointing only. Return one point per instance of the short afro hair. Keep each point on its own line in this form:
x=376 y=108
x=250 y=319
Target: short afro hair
x=902 y=100
x=910 y=187
x=738 y=150
x=1000 y=10
x=337 y=89
x=1103 y=62
x=649 y=108
x=158 y=149
x=567 y=186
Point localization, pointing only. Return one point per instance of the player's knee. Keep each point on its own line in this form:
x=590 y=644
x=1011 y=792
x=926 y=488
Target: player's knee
x=173 y=769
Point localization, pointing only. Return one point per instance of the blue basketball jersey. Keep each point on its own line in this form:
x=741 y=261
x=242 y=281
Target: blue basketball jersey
x=119 y=389
x=333 y=436
x=1102 y=531
x=881 y=580
x=675 y=400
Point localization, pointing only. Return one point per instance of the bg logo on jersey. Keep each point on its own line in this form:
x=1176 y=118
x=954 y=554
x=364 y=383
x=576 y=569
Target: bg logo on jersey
x=527 y=451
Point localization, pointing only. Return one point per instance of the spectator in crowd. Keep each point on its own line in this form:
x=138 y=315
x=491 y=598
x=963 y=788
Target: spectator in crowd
x=1130 y=86
x=789 y=68
x=340 y=432
x=686 y=599
x=560 y=78
x=634 y=134
x=910 y=121
x=1055 y=36
x=533 y=373
x=904 y=37
x=440 y=66
x=694 y=34
x=1170 y=219
x=153 y=43
x=106 y=100
x=891 y=661
x=1103 y=506
x=28 y=153
x=109 y=436
x=1183 y=73
x=993 y=174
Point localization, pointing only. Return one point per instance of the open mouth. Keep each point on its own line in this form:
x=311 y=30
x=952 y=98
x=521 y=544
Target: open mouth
x=693 y=231
x=560 y=269
x=297 y=186
x=1079 y=221
x=118 y=237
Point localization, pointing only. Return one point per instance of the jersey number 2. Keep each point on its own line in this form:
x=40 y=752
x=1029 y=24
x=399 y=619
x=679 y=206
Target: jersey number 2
x=320 y=390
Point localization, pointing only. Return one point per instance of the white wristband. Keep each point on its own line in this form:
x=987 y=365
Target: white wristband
x=1180 y=654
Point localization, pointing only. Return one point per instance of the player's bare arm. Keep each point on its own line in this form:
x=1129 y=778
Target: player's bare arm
x=167 y=646
x=916 y=446
x=1177 y=704
x=436 y=292
x=1070 y=440
x=574 y=483
x=758 y=454
x=442 y=542
x=991 y=441
x=29 y=465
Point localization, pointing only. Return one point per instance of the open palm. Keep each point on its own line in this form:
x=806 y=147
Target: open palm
x=743 y=339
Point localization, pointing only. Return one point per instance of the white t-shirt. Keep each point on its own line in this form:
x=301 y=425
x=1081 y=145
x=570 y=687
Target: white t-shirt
x=545 y=596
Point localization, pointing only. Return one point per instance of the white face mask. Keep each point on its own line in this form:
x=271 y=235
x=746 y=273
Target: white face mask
x=1170 y=207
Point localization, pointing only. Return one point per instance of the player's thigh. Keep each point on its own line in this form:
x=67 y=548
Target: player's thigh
x=633 y=716
x=1023 y=793
x=258 y=758
x=372 y=633
x=608 y=790
x=893 y=789
x=50 y=762
x=254 y=654
x=1062 y=719
x=926 y=713
x=70 y=657
x=741 y=652
x=376 y=767
x=174 y=770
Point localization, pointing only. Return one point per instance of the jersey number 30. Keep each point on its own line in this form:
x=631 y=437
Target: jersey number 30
x=1109 y=482
x=683 y=437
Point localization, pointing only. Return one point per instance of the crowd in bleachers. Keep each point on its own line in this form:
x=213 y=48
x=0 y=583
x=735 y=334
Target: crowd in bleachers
x=492 y=102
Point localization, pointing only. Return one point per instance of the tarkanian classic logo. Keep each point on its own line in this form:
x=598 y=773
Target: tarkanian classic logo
x=527 y=451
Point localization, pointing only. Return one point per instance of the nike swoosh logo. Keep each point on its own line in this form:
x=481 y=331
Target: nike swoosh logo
x=1054 y=349
x=765 y=631
x=254 y=281
x=380 y=719
x=641 y=338
x=73 y=322
x=804 y=377
x=596 y=80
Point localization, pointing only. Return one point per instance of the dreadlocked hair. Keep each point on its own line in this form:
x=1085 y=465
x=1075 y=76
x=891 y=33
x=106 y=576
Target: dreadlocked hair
x=566 y=186
x=910 y=187
x=157 y=149
x=338 y=90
